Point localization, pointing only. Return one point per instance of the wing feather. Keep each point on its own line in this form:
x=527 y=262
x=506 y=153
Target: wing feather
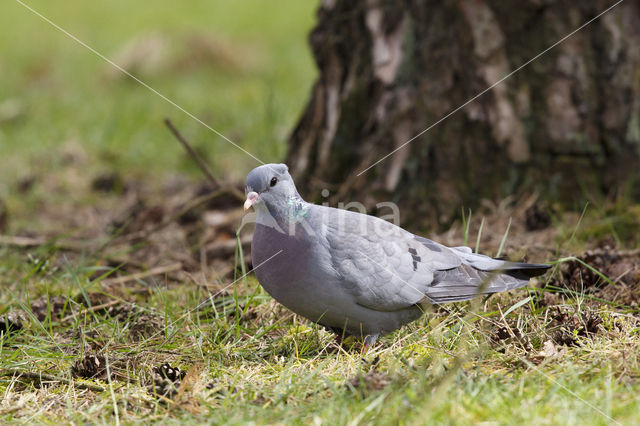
x=377 y=260
x=386 y=268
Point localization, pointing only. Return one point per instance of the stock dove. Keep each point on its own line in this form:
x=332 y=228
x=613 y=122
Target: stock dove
x=359 y=274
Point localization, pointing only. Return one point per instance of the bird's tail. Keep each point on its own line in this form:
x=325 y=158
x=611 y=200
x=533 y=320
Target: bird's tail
x=525 y=270
x=468 y=281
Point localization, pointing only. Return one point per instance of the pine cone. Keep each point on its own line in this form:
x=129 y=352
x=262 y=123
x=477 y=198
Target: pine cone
x=90 y=367
x=142 y=324
x=12 y=321
x=571 y=326
x=166 y=380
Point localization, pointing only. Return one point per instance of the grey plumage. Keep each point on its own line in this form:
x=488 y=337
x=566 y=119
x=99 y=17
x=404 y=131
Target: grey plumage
x=358 y=273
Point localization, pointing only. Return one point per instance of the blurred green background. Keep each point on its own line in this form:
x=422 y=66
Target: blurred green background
x=243 y=67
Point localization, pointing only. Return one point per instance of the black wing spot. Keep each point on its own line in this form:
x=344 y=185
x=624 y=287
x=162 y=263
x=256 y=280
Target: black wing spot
x=415 y=257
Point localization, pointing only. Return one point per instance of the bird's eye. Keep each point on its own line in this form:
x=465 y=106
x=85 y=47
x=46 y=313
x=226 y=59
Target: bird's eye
x=273 y=182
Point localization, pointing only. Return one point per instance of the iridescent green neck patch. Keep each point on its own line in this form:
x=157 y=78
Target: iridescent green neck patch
x=297 y=209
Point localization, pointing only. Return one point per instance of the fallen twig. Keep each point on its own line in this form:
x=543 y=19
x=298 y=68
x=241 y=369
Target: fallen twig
x=203 y=166
x=222 y=189
x=17 y=241
x=91 y=309
x=43 y=377
x=139 y=275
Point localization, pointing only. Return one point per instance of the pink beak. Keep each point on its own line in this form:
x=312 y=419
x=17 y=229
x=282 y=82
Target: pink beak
x=251 y=199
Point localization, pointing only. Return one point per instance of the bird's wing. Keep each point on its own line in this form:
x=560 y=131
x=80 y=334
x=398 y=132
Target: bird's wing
x=383 y=266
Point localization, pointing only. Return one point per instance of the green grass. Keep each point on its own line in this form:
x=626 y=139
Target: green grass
x=66 y=97
x=270 y=367
x=250 y=360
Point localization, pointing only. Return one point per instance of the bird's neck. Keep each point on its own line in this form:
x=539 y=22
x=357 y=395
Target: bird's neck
x=297 y=209
x=291 y=211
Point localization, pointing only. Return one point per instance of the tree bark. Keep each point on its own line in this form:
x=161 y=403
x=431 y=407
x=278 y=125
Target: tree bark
x=567 y=124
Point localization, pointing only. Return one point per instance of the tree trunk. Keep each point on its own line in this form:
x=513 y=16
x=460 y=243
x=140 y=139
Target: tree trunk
x=566 y=124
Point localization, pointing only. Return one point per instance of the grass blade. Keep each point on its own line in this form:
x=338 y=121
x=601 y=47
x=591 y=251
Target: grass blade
x=504 y=239
x=466 y=222
x=479 y=235
x=517 y=305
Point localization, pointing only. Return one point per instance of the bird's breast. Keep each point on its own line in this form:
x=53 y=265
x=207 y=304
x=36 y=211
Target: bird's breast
x=279 y=260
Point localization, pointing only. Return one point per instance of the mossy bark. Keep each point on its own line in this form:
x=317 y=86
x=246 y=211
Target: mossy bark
x=567 y=124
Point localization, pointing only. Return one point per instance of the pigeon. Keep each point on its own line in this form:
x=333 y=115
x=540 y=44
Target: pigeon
x=358 y=274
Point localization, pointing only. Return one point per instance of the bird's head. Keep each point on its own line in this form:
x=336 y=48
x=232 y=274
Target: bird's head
x=269 y=185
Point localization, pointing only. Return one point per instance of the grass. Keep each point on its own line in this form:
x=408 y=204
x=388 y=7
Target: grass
x=251 y=86
x=249 y=360
x=261 y=364
x=529 y=356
